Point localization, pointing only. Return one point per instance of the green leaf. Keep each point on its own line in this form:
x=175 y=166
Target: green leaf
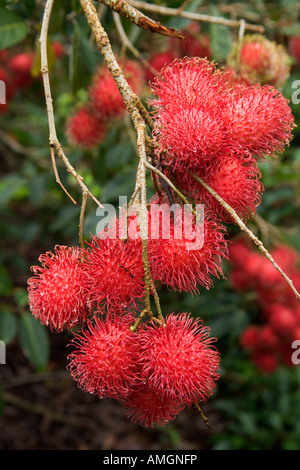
x=5 y=281
x=8 y=326
x=82 y=59
x=12 y=29
x=34 y=341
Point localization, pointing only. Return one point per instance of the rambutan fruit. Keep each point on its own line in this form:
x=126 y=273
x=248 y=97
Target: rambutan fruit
x=104 y=95
x=146 y=407
x=185 y=255
x=57 y=293
x=261 y=60
x=116 y=272
x=85 y=129
x=259 y=120
x=236 y=179
x=178 y=359
x=104 y=361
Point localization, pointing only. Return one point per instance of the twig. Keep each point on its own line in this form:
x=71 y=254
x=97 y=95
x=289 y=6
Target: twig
x=194 y=16
x=81 y=218
x=165 y=178
x=130 y=99
x=53 y=140
x=245 y=229
x=57 y=178
x=126 y=42
x=135 y=16
x=204 y=418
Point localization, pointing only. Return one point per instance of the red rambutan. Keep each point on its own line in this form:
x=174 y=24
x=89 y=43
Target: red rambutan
x=261 y=60
x=178 y=359
x=147 y=408
x=104 y=95
x=116 y=272
x=58 y=289
x=85 y=129
x=188 y=254
x=259 y=120
x=104 y=361
x=236 y=179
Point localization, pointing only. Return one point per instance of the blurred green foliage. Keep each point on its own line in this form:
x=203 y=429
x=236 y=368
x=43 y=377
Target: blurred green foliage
x=257 y=411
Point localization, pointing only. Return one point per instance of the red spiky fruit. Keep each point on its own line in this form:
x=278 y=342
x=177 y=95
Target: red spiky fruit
x=185 y=255
x=116 y=272
x=179 y=360
x=148 y=408
x=235 y=178
x=57 y=293
x=85 y=129
x=261 y=60
x=104 y=95
x=259 y=120
x=104 y=361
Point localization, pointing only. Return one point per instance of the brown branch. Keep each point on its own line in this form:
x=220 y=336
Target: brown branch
x=53 y=140
x=194 y=16
x=135 y=16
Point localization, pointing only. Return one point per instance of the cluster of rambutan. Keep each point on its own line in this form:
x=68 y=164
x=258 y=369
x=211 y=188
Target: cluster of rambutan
x=87 y=127
x=16 y=71
x=256 y=59
x=161 y=366
x=205 y=128
x=269 y=342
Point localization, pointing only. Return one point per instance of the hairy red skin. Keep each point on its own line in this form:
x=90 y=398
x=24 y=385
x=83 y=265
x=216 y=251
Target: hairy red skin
x=146 y=407
x=186 y=262
x=104 y=96
x=179 y=360
x=116 y=272
x=57 y=292
x=104 y=361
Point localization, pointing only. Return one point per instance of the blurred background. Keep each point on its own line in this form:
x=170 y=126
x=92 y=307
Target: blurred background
x=256 y=404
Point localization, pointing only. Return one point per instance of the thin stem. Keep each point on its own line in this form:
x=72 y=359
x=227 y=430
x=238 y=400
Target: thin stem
x=53 y=140
x=165 y=178
x=81 y=218
x=138 y=18
x=194 y=16
x=251 y=235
